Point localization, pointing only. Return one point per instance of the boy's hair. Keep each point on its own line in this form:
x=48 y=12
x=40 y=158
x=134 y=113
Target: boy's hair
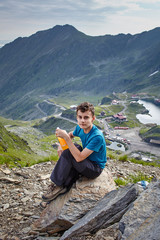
x=86 y=106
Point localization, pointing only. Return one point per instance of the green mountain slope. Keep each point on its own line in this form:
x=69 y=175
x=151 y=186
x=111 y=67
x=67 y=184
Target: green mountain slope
x=64 y=61
x=49 y=126
x=13 y=149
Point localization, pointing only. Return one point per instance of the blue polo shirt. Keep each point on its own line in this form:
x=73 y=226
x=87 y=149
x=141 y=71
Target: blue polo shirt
x=94 y=140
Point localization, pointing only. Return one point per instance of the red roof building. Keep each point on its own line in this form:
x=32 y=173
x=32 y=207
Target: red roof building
x=119 y=117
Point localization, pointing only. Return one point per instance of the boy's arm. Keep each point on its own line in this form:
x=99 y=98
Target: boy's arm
x=78 y=155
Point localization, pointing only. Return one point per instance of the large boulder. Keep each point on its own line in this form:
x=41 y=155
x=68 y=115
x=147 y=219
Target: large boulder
x=67 y=209
x=129 y=213
x=108 y=211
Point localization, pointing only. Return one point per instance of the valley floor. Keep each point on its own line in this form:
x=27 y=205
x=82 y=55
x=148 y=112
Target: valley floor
x=136 y=142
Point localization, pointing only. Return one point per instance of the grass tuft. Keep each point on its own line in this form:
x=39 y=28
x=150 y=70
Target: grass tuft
x=132 y=179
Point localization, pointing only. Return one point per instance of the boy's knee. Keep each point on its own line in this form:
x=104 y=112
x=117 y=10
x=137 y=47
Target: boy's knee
x=66 y=153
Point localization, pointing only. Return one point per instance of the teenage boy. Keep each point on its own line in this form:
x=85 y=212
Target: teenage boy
x=88 y=160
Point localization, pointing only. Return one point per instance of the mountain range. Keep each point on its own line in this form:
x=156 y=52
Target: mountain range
x=64 y=62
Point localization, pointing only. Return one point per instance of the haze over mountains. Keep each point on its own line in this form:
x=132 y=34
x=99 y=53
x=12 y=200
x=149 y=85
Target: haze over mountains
x=64 y=61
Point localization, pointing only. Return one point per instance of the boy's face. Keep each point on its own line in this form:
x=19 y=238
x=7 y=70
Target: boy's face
x=85 y=120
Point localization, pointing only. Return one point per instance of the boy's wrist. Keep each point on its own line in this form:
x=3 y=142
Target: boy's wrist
x=67 y=138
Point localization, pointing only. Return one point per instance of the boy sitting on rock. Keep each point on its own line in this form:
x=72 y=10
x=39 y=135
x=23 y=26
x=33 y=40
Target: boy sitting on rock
x=76 y=161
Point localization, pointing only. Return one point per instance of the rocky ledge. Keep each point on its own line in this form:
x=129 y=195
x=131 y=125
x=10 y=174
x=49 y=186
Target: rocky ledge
x=125 y=213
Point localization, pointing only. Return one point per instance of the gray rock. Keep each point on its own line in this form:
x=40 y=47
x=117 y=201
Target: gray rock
x=142 y=221
x=6 y=171
x=47 y=238
x=110 y=233
x=10 y=180
x=108 y=211
x=5 y=206
x=64 y=211
x=26 y=230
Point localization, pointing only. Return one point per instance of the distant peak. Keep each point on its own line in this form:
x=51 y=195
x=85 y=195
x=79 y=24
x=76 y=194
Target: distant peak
x=66 y=26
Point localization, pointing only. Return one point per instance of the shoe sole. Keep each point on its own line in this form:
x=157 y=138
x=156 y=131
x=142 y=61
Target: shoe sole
x=63 y=191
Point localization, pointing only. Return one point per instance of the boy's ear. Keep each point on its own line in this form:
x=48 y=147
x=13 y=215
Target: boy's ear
x=94 y=117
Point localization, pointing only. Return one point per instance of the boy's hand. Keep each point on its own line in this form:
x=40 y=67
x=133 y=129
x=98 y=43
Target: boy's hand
x=62 y=133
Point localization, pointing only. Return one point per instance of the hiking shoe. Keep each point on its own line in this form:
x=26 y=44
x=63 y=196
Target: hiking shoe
x=53 y=192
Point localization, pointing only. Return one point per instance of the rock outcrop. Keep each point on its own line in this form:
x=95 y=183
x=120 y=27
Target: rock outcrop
x=142 y=220
x=21 y=190
x=108 y=211
x=66 y=210
x=124 y=214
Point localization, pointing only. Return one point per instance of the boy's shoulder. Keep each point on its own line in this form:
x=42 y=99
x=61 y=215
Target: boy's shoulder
x=96 y=131
x=95 y=128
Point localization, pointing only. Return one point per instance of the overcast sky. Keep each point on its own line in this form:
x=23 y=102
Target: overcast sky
x=19 y=18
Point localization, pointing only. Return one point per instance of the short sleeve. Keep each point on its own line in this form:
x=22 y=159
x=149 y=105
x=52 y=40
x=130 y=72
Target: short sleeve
x=76 y=131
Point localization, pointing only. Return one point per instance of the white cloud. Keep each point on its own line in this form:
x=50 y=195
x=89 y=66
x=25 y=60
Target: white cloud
x=125 y=23
x=93 y=17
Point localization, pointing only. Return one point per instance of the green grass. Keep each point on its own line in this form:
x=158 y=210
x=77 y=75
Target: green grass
x=17 y=158
x=98 y=110
x=131 y=123
x=22 y=155
x=123 y=158
x=135 y=108
x=132 y=179
x=143 y=130
x=76 y=98
x=49 y=126
x=150 y=133
x=117 y=156
x=144 y=163
x=11 y=122
x=113 y=154
x=140 y=176
x=14 y=158
x=115 y=109
x=132 y=110
x=108 y=109
x=120 y=182
x=22 y=151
